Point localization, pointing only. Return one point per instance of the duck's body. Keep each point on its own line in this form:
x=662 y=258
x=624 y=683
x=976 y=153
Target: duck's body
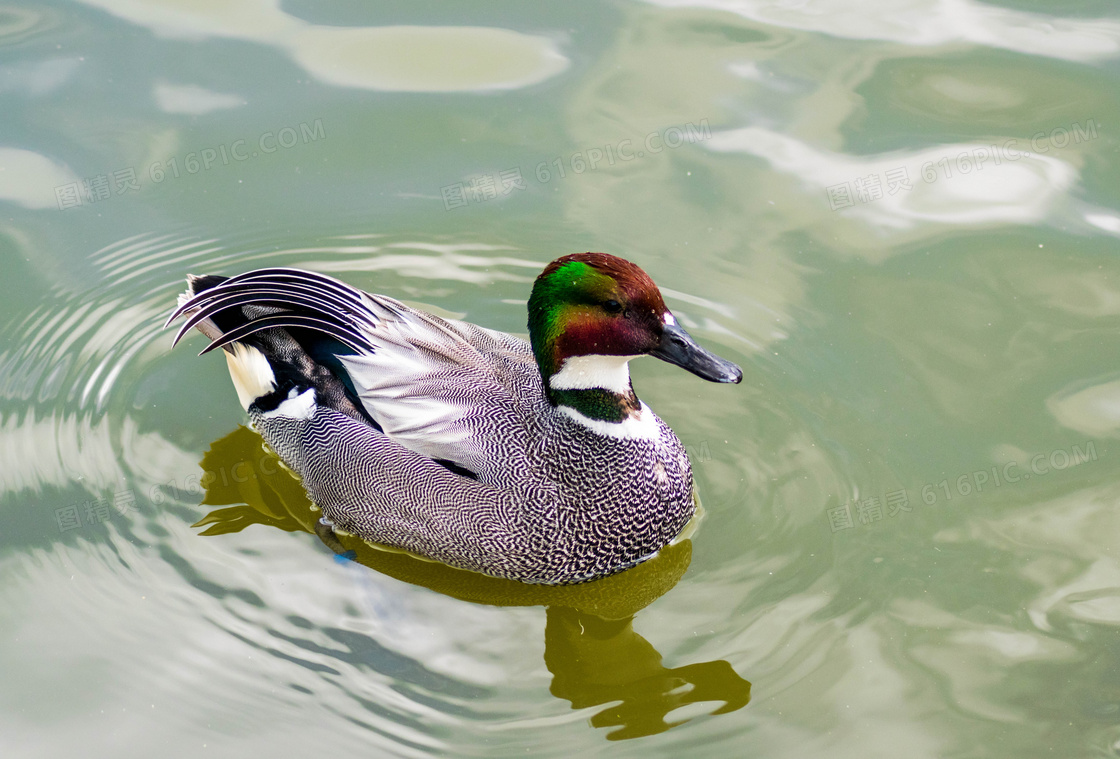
x=469 y=446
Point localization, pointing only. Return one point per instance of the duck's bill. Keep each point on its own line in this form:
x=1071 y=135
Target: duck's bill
x=678 y=347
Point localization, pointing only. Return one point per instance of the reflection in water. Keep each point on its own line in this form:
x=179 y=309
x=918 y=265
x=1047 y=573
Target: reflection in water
x=27 y=178
x=394 y=58
x=590 y=645
x=932 y=22
x=597 y=661
x=192 y=99
x=1012 y=185
x=1094 y=410
x=21 y=24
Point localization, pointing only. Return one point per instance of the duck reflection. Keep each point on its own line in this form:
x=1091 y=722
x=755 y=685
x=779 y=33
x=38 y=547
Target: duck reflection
x=591 y=648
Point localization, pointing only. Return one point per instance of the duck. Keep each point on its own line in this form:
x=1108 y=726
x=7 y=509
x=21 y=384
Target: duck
x=531 y=461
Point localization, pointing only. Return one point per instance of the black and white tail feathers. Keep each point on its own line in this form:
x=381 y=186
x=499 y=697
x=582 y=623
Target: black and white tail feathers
x=281 y=330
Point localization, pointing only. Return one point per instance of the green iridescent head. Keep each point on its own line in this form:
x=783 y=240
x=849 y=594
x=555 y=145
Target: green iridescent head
x=595 y=304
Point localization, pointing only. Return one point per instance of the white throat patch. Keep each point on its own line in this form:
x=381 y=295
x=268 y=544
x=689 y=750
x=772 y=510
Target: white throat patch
x=586 y=372
x=642 y=427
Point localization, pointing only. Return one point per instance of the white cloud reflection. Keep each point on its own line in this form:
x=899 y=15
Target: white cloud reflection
x=931 y=22
x=1004 y=183
x=37 y=77
x=192 y=99
x=1094 y=410
x=28 y=178
x=395 y=58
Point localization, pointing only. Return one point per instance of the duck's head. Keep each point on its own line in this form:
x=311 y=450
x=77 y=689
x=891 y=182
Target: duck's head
x=589 y=314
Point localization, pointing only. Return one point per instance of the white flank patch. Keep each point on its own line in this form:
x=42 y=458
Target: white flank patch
x=300 y=406
x=642 y=427
x=252 y=376
x=586 y=372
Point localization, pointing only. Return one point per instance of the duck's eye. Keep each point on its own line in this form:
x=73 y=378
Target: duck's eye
x=612 y=307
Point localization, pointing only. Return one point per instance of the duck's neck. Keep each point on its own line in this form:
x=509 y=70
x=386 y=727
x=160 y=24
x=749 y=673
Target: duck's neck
x=596 y=387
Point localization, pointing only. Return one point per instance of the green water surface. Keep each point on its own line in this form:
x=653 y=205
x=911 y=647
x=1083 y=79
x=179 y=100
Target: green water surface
x=899 y=218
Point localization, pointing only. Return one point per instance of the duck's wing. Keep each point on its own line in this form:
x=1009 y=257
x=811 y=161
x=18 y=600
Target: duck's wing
x=448 y=389
x=443 y=388
x=368 y=485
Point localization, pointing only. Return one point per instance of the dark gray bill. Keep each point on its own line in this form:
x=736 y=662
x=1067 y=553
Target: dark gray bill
x=678 y=347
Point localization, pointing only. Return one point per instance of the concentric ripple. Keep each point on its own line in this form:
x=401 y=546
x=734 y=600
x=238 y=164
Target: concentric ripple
x=102 y=431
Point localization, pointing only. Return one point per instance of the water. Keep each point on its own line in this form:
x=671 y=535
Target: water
x=901 y=222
